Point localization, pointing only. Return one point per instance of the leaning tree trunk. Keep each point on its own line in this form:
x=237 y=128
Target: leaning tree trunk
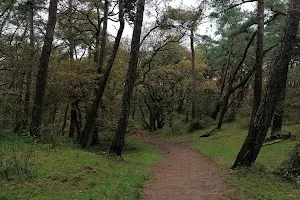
x=119 y=139
x=41 y=82
x=276 y=83
x=230 y=88
x=278 y=114
x=224 y=109
x=103 y=38
x=225 y=74
x=86 y=136
x=259 y=58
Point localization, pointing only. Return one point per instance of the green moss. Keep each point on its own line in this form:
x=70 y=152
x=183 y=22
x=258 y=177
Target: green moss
x=67 y=172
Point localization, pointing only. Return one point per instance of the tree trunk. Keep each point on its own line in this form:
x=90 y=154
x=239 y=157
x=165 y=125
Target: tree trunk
x=19 y=97
x=226 y=70
x=216 y=111
x=71 y=32
x=180 y=101
x=119 y=139
x=87 y=134
x=65 y=118
x=193 y=76
x=37 y=112
x=221 y=100
x=144 y=118
x=278 y=114
x=22 y=124
x=73 y=120
x=29 y=73
x=276 y=83
x=103 y=38
x=224 y=109
x=259 y=58
x=231 y=76
x=152 y=119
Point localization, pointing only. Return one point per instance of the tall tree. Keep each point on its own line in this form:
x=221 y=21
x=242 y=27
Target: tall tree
x=41 y=82
x=259 y=58
x=85 y=139
x=119 y=139
x=22 y=124
x=276 y=84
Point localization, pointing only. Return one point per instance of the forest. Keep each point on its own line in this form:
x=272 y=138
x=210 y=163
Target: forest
x=150 y=99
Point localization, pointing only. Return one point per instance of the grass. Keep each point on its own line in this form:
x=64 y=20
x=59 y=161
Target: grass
x=257 y=183
x=67 y=172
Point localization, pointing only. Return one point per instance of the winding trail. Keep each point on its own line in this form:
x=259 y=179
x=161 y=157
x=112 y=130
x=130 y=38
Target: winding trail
x=184 y=174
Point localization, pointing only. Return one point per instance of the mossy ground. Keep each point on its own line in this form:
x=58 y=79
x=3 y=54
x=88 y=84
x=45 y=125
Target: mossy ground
x=258 y=183
x=67 y=172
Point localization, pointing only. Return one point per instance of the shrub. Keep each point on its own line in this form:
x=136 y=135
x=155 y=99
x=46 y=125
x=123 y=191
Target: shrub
x=291 y=168
x=196 y=124
x=50 y=135
x=207 y=120
x=15 y=166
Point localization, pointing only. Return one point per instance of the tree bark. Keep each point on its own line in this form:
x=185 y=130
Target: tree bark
x=71 y=31
x=259 y=58
x=65 y=118
x=73 y=121
x=85 y=139
x=224 y=109
x=29 y=72
x=278 y=114
x=37 y=112
x=103 y=38
x=226 y=70
x=276 y=83
x=119 y=139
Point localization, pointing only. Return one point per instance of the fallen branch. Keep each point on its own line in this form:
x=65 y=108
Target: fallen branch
x=209 y=133
x=273 y=142
x=278 y=137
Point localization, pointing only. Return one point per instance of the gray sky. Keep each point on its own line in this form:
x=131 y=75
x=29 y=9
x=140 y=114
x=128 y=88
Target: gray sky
x=113 y=27
x=206 y=28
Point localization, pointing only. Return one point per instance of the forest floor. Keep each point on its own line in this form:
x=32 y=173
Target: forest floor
x=258 y=183
x=31 y=170
x=170 y=164
x=184 y=174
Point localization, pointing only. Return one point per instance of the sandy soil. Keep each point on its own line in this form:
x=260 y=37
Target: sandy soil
x=184 y=174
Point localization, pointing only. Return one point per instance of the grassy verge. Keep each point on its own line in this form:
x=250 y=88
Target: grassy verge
x=67 y=172
x=257 y=183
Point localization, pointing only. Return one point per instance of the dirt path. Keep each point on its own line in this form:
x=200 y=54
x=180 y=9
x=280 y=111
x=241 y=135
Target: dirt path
x=184 y=175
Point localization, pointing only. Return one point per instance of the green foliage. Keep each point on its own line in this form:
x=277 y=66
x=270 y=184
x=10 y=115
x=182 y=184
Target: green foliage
x=292 y=98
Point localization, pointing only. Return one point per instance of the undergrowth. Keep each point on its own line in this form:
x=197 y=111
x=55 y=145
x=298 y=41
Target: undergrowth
x=67 y=172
